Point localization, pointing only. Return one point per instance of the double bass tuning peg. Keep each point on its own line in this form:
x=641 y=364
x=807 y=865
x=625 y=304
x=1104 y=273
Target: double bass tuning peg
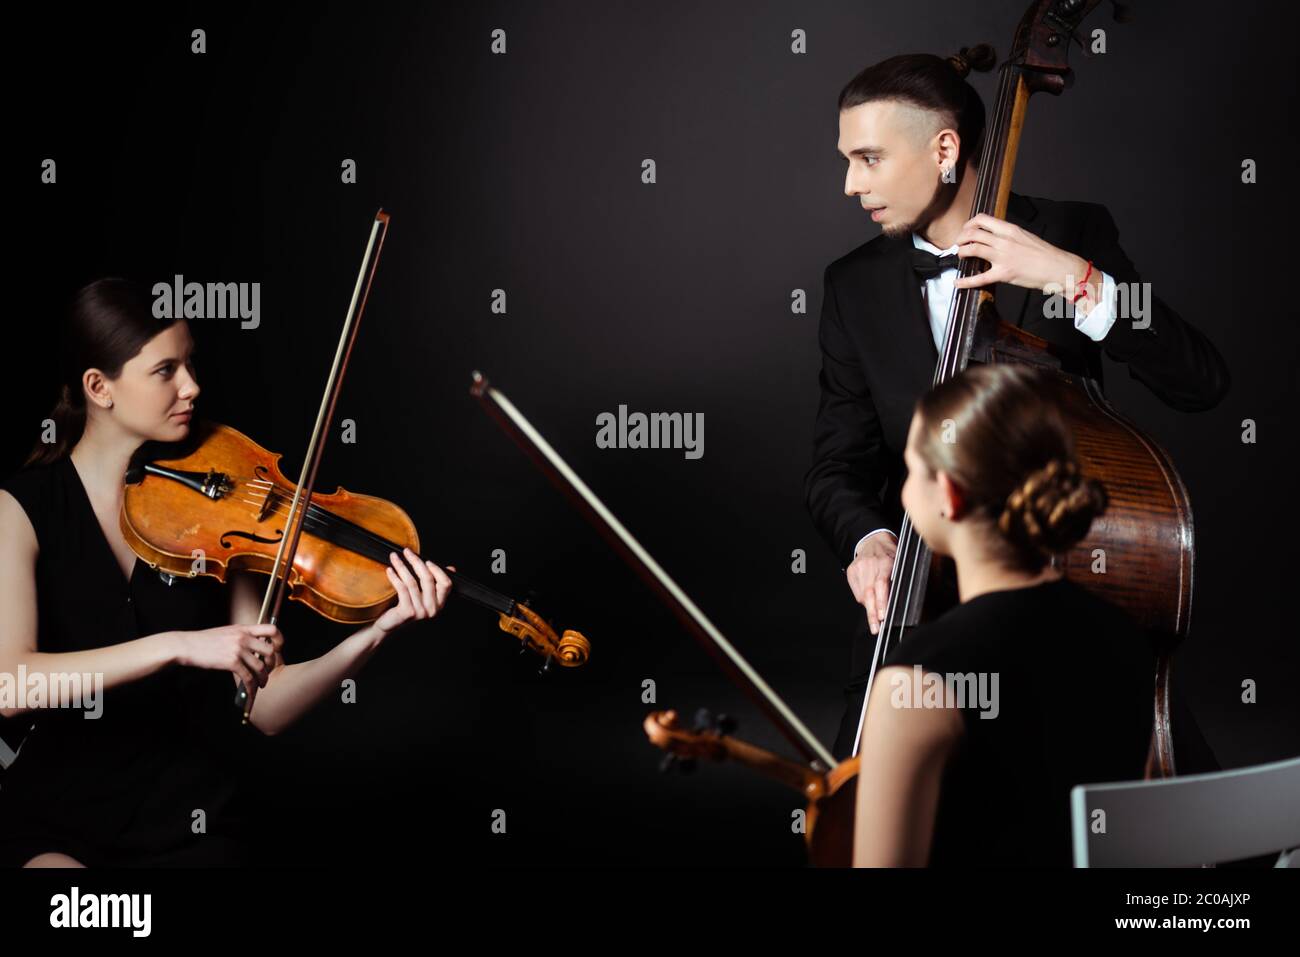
x=1122 y=10
x=1067 y=12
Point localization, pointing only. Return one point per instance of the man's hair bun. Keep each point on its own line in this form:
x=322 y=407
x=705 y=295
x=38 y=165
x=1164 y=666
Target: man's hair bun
x=980 y=57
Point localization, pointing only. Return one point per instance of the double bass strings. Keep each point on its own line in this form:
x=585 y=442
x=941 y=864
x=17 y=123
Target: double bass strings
x=960 y=314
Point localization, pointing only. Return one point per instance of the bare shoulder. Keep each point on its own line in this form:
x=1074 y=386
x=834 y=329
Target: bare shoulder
x=895 y=714
x=17 y=536
x=18 y=548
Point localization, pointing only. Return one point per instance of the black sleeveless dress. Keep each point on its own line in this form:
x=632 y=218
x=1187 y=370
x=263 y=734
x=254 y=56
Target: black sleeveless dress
x=1074 y=705
x=121 y=789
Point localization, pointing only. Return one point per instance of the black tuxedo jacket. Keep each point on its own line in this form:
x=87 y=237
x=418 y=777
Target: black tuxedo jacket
x=878 y=358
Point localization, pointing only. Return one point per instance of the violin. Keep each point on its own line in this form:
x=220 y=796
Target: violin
x=832 y=795
x=221 y=507
x=224 y=504
x=830 y=788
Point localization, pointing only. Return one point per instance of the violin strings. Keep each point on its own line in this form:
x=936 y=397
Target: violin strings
x=318 y=518
x=340 y=531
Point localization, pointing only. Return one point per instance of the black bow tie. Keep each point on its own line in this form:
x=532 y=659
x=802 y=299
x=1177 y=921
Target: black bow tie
x=928 y=265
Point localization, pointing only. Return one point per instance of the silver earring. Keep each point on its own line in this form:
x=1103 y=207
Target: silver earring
x=110 y=403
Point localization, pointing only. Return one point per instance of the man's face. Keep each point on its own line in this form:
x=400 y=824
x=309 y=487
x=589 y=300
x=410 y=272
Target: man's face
x=895 y=161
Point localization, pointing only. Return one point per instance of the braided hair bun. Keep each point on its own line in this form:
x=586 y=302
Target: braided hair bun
x=1053 y=508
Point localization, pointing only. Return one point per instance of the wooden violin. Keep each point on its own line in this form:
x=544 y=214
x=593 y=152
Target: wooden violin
x=225 y=504
x=831 y=795
x=221 y=506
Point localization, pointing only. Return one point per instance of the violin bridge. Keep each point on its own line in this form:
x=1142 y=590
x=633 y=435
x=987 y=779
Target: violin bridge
x=268 y=505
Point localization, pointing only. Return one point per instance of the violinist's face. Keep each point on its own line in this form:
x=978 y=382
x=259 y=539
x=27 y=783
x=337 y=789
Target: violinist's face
x=901 y=167
x=154 y=386
x=925 y=494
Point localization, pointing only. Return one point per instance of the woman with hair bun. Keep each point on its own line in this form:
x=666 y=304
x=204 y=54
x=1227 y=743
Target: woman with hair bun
x=981 y=722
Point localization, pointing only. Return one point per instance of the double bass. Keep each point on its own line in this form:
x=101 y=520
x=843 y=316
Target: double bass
x=1145 y=535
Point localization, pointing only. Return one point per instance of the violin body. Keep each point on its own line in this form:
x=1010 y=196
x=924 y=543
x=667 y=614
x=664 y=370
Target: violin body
x=831 y=818
x=238 y=523
x=221 y=504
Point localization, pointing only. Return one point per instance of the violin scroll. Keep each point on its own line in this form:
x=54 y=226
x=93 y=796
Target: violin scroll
x=571 y=649
x=665 y=731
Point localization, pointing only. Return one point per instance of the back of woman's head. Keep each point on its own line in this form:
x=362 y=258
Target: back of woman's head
x=106 y=324
x=999 y=433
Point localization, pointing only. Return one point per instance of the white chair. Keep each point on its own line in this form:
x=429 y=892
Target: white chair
x=1190 y=821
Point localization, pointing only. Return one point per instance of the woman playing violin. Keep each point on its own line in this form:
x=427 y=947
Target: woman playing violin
x=980 y=723
x=137 y=779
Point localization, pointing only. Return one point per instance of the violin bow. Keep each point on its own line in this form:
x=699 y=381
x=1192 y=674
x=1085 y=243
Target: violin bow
x=279 y=586
x=733 y=664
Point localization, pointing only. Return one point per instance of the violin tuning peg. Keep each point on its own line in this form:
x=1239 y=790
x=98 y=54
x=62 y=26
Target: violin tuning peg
x=703 y=720
x=546 y=666
x=706 y=720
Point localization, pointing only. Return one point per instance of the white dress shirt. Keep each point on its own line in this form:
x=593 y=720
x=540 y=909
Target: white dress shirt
x=937 y=293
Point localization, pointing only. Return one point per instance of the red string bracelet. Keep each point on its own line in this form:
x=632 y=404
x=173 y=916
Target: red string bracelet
x=1082 y=287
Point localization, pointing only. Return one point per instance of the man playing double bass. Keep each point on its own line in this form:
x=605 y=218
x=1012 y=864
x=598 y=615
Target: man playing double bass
x=910 y=130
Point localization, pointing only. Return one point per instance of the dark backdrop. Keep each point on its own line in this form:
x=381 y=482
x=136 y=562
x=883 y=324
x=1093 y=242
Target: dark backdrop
x=522 y=172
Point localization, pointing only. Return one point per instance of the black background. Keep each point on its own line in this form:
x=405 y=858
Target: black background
x=522 y=172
